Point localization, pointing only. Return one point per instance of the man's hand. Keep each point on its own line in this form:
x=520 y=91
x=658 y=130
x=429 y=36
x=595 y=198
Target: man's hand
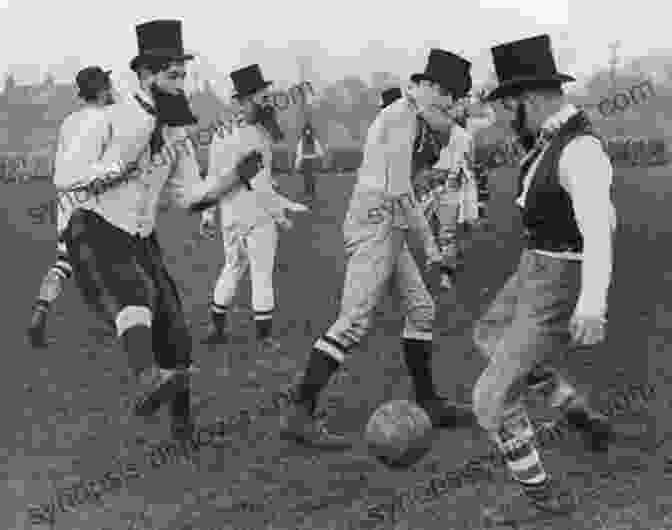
x=587 y=330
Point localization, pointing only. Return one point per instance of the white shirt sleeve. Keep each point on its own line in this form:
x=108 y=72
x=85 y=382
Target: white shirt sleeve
x=80 y=143
x=585 y=171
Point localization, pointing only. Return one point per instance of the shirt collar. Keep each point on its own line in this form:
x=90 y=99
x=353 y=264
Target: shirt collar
x=557 y=120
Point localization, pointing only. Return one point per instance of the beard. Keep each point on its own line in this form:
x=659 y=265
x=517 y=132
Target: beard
x=173 y=109
x=266 y=116
x=520 y=125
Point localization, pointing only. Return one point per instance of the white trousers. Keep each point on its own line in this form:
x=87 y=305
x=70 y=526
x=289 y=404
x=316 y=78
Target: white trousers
x=255 y=250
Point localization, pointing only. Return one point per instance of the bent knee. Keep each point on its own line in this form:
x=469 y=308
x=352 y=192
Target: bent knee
x=421 y=317
x=132 y=316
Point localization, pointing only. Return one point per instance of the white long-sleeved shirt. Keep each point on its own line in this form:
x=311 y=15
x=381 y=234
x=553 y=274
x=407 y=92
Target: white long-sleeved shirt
x=586 y=173
x=388 y=152
x=243 y=207
x=82 y=139
x=133 y=205
x=387 y=165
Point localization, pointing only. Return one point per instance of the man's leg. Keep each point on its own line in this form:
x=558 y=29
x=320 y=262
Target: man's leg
x=107 y=270
x=417 y=339
x=50 y=289
x=262 y=243
x=448 y=211
x=225 y=289
x=537 y=332
x=543 y=380
x=372 y=251
x=171 y=338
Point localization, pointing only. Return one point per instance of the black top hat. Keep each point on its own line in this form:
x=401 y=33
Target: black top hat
x=248 y=80
x=525 y=64
x=91 y=80
x=450 y=71
x=160 y=39
x=389 y=96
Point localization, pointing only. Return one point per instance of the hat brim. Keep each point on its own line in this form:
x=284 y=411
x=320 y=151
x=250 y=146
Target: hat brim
x=139 y=59
x=246 y=93
x=515 y=86
x=459 y=93
x=416 y=78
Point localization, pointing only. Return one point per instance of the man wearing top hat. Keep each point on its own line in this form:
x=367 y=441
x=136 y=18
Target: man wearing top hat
x=111 y=240
x=401 y=140
x=95 y=90
x=557 y=297
x=249 y=215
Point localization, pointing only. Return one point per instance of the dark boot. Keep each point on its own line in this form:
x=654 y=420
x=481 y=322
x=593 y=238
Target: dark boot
x=218 y=332
x=38 y=324
x=443 y=413
x=595 y=428
x=158 y=388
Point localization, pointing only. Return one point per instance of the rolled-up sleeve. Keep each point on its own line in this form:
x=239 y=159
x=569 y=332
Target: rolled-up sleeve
x=586 y=172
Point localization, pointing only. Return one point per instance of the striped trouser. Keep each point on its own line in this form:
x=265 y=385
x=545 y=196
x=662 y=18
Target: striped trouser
x=377 y=252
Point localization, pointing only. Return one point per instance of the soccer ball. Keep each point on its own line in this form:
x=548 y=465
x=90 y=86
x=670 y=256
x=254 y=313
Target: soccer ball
x=399 y=433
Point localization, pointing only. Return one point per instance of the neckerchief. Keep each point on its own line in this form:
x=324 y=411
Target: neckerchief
x=426 y=147
x=156 y=141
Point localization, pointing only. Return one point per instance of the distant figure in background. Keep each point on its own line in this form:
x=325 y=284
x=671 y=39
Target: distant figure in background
x=309 y=154
x=95 y=89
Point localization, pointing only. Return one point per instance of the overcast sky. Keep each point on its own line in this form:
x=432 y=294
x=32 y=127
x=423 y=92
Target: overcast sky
x=37 y=35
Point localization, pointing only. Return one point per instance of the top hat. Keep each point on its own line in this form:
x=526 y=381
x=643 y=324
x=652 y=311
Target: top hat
x=389 y=96
x=92 y=79
x=525 y=64
x=160 y=39
x=248 y=80
x=450 y=71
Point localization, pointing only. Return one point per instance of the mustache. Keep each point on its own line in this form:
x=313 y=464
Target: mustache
x=173 y=110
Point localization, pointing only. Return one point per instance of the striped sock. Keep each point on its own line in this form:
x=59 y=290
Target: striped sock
x=52 y=284
x=515 y=440
x=264 y=323
x=219 y=316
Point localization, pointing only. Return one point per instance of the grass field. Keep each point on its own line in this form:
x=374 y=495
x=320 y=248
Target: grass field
x=66 y=419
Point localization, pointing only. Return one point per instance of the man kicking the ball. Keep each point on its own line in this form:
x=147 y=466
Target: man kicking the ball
x=401 y=140
x=114 y=251
x=95 y=89
x=558 y=292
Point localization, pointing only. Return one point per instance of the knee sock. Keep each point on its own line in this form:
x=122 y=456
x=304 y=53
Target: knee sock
x=321 y=366
x=418 y=358
x=515 y=440
x=219 y=316
x=137 y=341
x=263 y=321
x=134 y=328
x=52 y=284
